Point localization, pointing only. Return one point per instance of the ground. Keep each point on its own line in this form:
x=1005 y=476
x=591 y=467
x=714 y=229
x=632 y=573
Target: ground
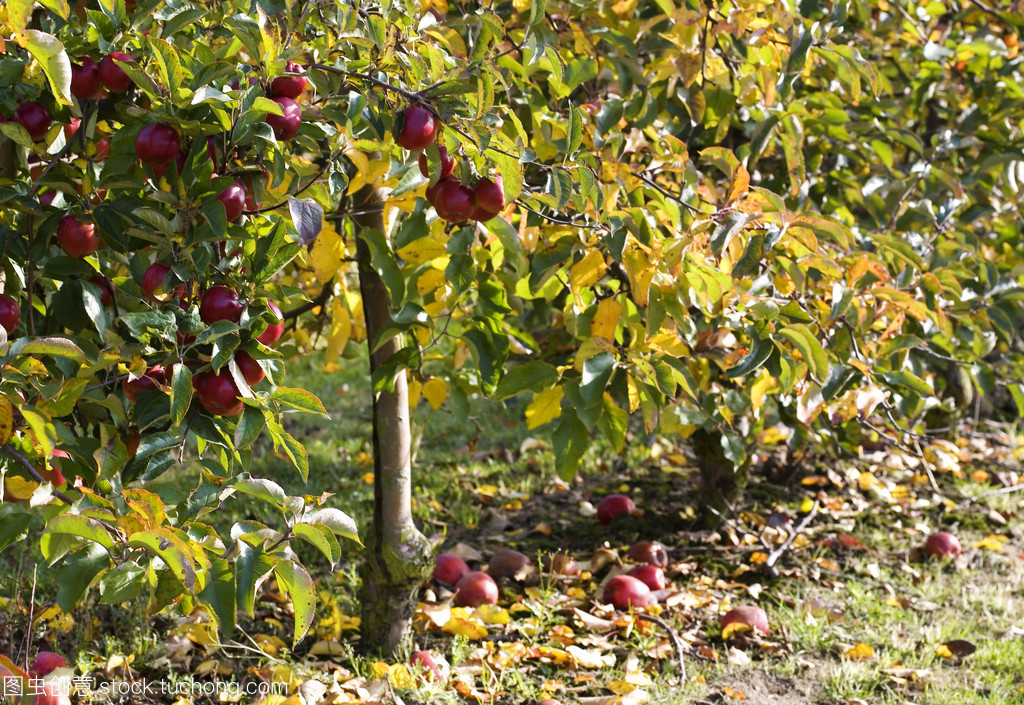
x=858 y=612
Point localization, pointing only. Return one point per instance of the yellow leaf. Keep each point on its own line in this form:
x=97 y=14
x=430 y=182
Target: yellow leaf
x=545 y=407
x=606 y=319
x=669 y=343
x=415 y=390
x=492 y=614
x=633 y=393
x=992 y=542
x=587 y=272
x=422 y=250
x=859 y=652
x=463 y=624
x=340 y=330
x=522 y=6
x=400 y=676
x=435 y=391
x=740 y=182
x=328 y=253
x=429 y=280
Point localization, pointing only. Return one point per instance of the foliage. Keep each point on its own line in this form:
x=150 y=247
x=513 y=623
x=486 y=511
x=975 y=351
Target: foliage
x=731 y=217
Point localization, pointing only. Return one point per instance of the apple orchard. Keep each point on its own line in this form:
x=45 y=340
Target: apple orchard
x=724 y=222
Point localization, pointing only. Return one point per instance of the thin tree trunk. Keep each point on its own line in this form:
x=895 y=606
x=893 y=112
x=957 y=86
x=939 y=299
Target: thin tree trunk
x=397 y=554
x=720 y=480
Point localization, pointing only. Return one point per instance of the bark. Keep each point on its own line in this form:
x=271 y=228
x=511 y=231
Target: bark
x=720 y=480
x=397 y=554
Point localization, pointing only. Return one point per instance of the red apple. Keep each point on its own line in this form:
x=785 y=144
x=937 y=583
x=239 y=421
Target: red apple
x=507 y=563
x=112 y=76
x=288 y=86
x=449 y=568
x=650 y=575
x=85 y=79
x=415 y=128
x=943 y=544
x=233 y=198
x=447 y=163
x=71 y=129
x=102 y=149
x=220 y=304
x=613 y=506
x=106 y=288
x=625 y=591
x=431 y=667
x=650 y=552
x=76 y=237
x=561 y=564
x=153 y=284
x=452 y=200
x=10 y=313
x=272 y=333
x=34 y=118
x=157 y=143
x=250 y=369
x=149 y=380
x=746 y=618
x=285 y=126
x=490 y=195
x=217 y=393
x=475 y=589
x=53 y=693
x=159 y=170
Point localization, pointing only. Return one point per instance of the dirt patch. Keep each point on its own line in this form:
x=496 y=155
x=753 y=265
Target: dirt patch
x=753 y=687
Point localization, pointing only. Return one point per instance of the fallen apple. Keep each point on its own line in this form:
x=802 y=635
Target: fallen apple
x=449 y=568
x=742 y=619
x=625 y=591
x=943 y=545
x=476 y=588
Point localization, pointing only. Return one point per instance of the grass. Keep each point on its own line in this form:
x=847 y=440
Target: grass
x=474 y=485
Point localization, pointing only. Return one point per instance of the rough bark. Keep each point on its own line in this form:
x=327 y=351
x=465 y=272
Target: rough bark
x=397 y=554
x=720 y=480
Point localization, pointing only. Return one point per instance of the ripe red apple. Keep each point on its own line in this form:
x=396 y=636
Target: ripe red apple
x=650 y=552
x=217 y=393
x=220 y=304
x=507 y=563
x=157 y=143
x=613 y=506
x=432 y=667
x=76 y=237
x=475 y=589
x=490 y=195
x=452 y=200
x=53 y=693
x=743 y=619
x=102 y=149
x=943 y=544
x=153 y=376
x=274 y=331
x=449 y=568
x=34 y=118
x=112 y=76
x=561 y=564
x=159 y=170
x=650 y=575
x=153 y=284
x=288 y=86
x=233 y=198
x=106 y=288
x=250 y=369
x=625 y=591
x=285 y=126
x=71 y=129
x=10 y=313
x=415 y=128
x=447 y=163
x=85 y=79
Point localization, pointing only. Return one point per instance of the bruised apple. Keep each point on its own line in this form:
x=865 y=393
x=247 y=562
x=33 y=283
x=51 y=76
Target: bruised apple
x=431 y=667
x=508 y=563
x=745 y=618
x=650 y=552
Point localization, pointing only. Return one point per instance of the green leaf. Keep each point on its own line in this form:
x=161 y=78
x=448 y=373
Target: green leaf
x=575 y=130
x=299 y=399
x=597 y=370
x=570 y=441
x=262 y=488
x=164 y=544
x=63 y=532
x=78 y=572
x=805 y=341
x=322 y=538
x=534 y=376
x=760 y=351
x=122 y=583
x=294 y=581
x=252 y=567
x=50 y=54
x=908 y=380
x=511 y=174
x=340 y=523
x=181 y=393
x=220 y=593
x=58 y=347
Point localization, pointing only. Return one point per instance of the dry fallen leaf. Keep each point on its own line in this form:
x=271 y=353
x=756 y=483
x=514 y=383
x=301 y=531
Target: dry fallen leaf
x=859 y=652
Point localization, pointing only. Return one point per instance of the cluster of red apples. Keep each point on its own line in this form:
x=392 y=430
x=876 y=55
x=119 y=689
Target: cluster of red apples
x=42 y=691
x=416 y=129
x=160 y=146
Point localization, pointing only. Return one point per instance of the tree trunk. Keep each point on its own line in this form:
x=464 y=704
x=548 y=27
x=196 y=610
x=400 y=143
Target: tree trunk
x=397 y=554
x=720 y=480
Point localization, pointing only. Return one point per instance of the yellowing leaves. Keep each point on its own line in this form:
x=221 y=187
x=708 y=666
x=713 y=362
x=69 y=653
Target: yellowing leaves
x=464 y=623
x=328 y=253
x=423 y=250
x=545 y=407
x=859 y=652
x=588 y=271
x=992 y=542
x=435 y=391
x=606 y=319
x=340 y=330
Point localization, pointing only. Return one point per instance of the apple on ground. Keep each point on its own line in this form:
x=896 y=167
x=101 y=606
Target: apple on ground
x=650 y=552
x=614 y=506
x=45 y=662
x=449 y=569
x=476 y=588
x=943 y=545
x=624 y=592
x=742 y=619
x=430 y=666
x=507 y=563
x=650 y=575
x=561 y=564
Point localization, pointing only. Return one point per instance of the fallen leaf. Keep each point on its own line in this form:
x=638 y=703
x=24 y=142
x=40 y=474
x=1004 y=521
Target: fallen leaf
x=859 y=652
x=956 y=649
x=733 y=693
